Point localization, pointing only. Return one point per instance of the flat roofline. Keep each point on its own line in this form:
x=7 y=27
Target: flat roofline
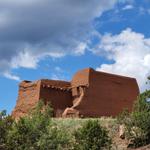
x=115 y=75
x=62 y=81
x=107 y=73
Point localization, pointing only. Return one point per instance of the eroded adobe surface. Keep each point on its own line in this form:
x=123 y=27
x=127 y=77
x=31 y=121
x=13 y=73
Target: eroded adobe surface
x=28 y=96
x=89 y=94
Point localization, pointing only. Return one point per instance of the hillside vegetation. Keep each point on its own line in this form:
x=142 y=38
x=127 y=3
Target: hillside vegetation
x=39 y=131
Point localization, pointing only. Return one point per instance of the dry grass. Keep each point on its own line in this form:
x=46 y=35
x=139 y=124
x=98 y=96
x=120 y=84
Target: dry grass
x=71 y=124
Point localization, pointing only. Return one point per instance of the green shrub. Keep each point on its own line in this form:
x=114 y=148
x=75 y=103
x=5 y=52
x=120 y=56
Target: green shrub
x=55 y=139
x=38 y=131
x=137 y=123
x=123 y=117
x=26 y=132
x=91 y=136
x=5 y=125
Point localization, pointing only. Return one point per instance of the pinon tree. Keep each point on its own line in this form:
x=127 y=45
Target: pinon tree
x=26 y=132
x=138 y=122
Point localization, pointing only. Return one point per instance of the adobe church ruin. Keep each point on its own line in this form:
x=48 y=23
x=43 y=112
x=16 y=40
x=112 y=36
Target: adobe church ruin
x=89 y=94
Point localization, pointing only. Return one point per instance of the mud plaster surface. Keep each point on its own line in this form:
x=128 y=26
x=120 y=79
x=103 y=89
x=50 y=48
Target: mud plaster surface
x=89 y=94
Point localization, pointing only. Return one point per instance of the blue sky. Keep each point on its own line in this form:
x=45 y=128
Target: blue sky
x=55 y=38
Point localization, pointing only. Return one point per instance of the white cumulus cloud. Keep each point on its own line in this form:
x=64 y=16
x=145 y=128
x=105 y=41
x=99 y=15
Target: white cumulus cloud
x=130 y=52
x=11 y=76
x=31 y=30
x=128 y=7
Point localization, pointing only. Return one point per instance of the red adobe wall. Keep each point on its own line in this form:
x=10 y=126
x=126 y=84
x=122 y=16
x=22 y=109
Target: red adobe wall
x=80 y=78
x=57 y=93
x=108 y=95
x=90 y=94
x=28 y=96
